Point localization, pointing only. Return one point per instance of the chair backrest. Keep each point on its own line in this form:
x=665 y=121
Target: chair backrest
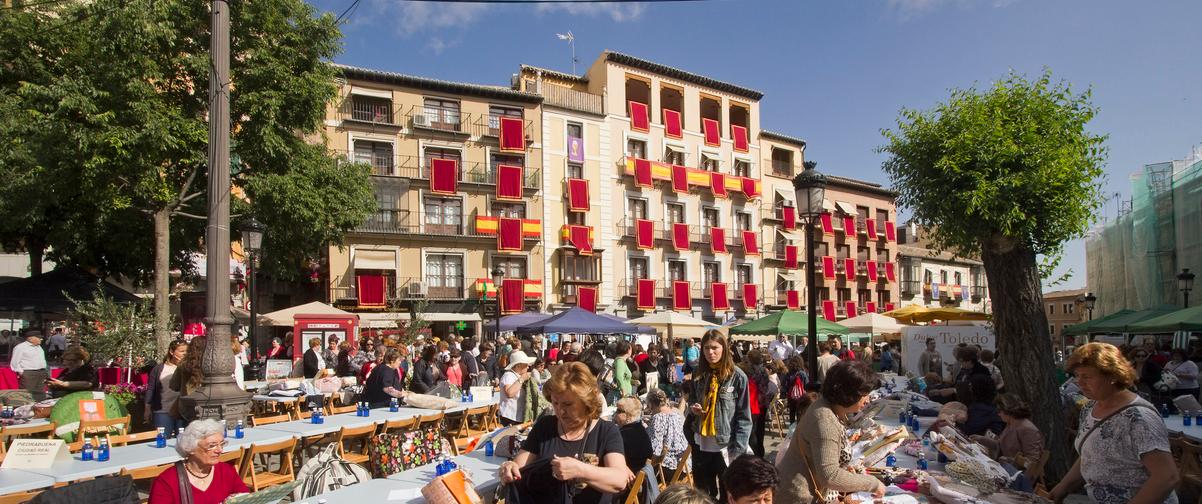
x=233 y=457
x=268 y=420
x=285 y=450
x=44 y=430
x=398 y=424
x=146 y=473
x=680 y=472
x=108 y=425
x=338 y=410
x=1190 y=464
x=350 y=433
x=636 y=488
x=1035 y=470
x=455 y=424
x=137 y=437
x=430 y=420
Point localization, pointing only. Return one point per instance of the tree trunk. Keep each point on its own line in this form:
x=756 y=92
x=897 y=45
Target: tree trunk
x=37 y=252
x=162 y=280
x=1025 y=353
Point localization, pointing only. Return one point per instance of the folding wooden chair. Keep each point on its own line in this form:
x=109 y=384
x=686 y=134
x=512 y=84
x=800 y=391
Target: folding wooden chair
x=91 y=428
x=428 y=421
x=657 y=465
x=35 y=431
x=19 y=497
x=145 y=473
x=402 y=424
x=682 y=475
x=636 y=489
x=268 y=420
x=233 y=457
x=258 y=480
x=363 y=435
x=338 y=410
x=779 y=411
x=137 y=437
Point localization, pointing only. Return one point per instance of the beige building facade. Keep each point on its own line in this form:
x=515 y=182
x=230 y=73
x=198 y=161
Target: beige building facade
x=1064 y=308
x=936 y=279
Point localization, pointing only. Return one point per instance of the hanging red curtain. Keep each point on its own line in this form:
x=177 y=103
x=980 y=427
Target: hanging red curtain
x=828 y=267
x=680 y=236
x=750 y=245
x=586 y=297
x=371 y=290
x=872 y=272
x=578 y=195
x=849 y=225
x=682 y=298
x=871 y=226
x=849 y=268
x=718 y=184
x=791 y=256
x=712 y=137
x=644 y=234
x=444 y=176
x=513 y=134
x=642 y=173
x=509 y=234
x=827 y=227
x=789 y=216
x=749 y=187
x=750 y=296
x=513 y=292
x=718 y=240
x=680 y=179
x=739 y=134
x=850 y=307
x=870 y=306
x=639 y=120
x=581 y=238
x=509 y=182
x=888 y=307
x=828 y=310
x=645 y=296
x=718 y=296
x=890 y=273
x=672 y=127
x=793 y=300
x=890 y=231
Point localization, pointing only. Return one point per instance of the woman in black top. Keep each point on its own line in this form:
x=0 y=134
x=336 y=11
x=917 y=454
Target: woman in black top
x=385 y=382
x=636 y=443
x=572 y=456
x=425 y=374
x=79 y=374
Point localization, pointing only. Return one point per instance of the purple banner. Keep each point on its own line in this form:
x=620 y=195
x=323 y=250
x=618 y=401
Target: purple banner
x=575 y=150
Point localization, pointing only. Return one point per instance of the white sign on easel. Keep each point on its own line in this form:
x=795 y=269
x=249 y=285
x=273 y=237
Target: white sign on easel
x=35 y=454
x=947 y=337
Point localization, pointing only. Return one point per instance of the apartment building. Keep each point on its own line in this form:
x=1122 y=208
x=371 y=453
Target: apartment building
x=458 y=173
x=932 y=278
x=1064 y=308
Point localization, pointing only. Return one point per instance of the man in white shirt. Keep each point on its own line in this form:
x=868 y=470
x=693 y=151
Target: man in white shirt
x=29 y=363
x=781 y=348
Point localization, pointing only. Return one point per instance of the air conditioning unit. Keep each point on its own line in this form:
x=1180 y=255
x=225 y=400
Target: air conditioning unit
x=421 y=121
x=418 y=289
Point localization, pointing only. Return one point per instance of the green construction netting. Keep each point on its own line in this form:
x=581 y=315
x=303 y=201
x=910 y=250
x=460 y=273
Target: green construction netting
x=1133 y=261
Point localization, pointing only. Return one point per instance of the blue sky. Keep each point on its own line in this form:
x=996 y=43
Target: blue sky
x=833 y=72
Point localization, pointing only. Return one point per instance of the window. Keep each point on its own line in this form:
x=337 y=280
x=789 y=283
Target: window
x=926 y=276
x=861 y=253
x=709 y=218
x=863 y=296
x=743 y=221
x=443 y=215
x=742 y=168
x=672 y=99
x=677 y=271
x=496 y=112
x=497 y=159
x=1051 y=309
x=371 y=109
x=637 y=208
x=882 y=298
x=881 y=217
x=711 y=108
x=637 y=269
x=510 y=210
x=783 y=285
x=436 y=153
x=638 y=90
x=376 y=154
x=709 y=163
x=743 y=275
x=710 y=273
x=842 y=251
x=574 y=146
x=861 y=216
x=958 y=279
x=575 y=171
x=882 y=256
x=821 y=249
x=441 y=114
x=943 y=276
x=673 y=155
x=1068 y=308
x=843 y=296
x=782 y=162
x=444 y=275
x=675 y=212
x=514 y=267
x=636 y=148
x=1052 y=329
x=575 y=130
x=578 y=268
x=576 y=218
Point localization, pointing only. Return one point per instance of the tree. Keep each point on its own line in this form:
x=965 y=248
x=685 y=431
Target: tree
x=1007 y=174
x=113 y=331
x=118 y=149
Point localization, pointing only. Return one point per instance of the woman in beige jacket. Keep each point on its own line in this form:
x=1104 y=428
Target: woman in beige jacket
x=814 y=469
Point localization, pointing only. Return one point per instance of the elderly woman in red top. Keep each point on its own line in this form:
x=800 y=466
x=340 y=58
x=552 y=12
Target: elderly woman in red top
x=209 y=480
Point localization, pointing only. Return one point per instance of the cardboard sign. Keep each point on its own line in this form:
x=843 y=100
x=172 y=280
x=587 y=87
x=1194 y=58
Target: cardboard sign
x=278 y=369
x=481 y=393
x=35 y=454
x=947 y=337
x=91 y=410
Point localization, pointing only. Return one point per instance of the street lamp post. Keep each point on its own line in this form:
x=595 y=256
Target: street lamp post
x=1090 y=300
x=252 y=243
x=1185 y=283
x=810 y=189
x=498 y=275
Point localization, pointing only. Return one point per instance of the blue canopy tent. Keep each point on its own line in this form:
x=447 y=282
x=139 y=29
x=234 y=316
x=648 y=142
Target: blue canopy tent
x=577 y=320
x=511 y=322
x=635 y=328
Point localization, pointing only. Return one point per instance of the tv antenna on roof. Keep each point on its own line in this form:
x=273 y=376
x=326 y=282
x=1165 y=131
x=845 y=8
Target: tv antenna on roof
x=571 y=42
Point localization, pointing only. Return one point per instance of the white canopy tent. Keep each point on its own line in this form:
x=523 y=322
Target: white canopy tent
x=285 y=317
x=671 y=324
x=872 y=323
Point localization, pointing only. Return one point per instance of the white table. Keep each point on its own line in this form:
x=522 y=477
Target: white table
x=904 y=460
x=16 y=480
x=133 y=457
x=1193 y=432
x=482 y=468
x=376 y=490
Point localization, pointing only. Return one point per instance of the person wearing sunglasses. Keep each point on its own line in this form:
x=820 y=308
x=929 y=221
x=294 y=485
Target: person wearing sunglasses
x=208 y=480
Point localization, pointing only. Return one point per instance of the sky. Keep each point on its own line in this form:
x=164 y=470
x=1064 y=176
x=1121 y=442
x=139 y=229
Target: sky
x=836 y=73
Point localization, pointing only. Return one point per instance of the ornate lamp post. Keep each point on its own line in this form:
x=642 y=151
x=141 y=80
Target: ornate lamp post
x=1090 y=301
x=498 y=275
x=252 y=243
x=1185 y=283
x=810 y=189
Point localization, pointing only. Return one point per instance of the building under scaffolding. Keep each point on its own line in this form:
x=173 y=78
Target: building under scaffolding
x=1133 y=261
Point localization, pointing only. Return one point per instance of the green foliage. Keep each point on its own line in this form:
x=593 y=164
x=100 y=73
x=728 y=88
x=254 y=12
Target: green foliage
x=1011 y=166
x=114 y=331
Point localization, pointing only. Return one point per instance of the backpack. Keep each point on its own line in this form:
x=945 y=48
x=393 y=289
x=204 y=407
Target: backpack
x=327 y=472
x=798 y=390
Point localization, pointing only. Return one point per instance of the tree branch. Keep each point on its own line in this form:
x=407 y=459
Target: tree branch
x=190 y=216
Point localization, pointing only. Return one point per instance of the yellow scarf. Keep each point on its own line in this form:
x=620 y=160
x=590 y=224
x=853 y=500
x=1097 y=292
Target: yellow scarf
x=708 y=425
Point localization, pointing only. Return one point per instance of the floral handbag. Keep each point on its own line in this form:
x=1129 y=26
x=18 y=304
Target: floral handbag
x=392 y=453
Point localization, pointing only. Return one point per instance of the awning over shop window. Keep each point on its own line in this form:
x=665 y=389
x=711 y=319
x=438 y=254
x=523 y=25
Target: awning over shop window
x=375 y=259
x=846 y=207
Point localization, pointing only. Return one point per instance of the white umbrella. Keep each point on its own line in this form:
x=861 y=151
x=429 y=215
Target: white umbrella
x=872 y=323
x=285 y=317
x=672 y=322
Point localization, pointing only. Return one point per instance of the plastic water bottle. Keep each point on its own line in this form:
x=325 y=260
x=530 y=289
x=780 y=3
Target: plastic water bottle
x=890 y=460
x=922 y=460
x=914 y=425
x=86 y=454
x=393 y=406
x=103 y=454
x=315 y=417
x=238 y=434
x=488 y=448
x=1164 y=410
x=1186 y=419
x=901 y=417
x=366 y=409
x=160 y=439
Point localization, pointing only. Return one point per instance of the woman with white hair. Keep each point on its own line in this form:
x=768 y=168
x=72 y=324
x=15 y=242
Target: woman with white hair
x=209 y=481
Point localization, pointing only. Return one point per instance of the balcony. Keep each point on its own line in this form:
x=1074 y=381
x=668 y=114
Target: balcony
x=369 y=111
x=663 y=289
x=410 y=167
x=349 y=294
x=439 y=119
x=408 y=222
x=979 y=292
x=782 y=168
x=559 y=96
x=911 y=287
x=490 y=126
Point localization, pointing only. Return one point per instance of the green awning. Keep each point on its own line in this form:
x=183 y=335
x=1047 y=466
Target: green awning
x=1088 y=327
x=787 y=322
x=1124 y=323
x=1188 y=319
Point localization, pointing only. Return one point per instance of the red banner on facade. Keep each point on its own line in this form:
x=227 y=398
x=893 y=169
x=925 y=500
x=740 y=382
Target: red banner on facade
x=513 y=134
x=739 y=134
x=680 y=236
x=712 y=136
x=791 y=256
x=827 y=226
x=718 y=240
x=750 y=245
x=849 y=268
x=828 y=310
x=444 y=176
x=680 y=179
x=718 y=184
x=828 y=267
x=749 y=188
x=872 y=271
x=849 y=225
x=642 y=173
x=586 y=297
x=581 y=238
x=850 y=308
x=682 y=299
x=645 y=296
x=578 y=195
x=513 y=292
x=719 y=297
x=509 y=183
x=639 y=120
x=793 y=300
x=372 y=291
x=870 y=307
x=789 y=216
x=672 y=127
x=644 y=234
x=870 y=225
x=890 y=231
x=509 y=234
x=890 y=272
x=750 y=296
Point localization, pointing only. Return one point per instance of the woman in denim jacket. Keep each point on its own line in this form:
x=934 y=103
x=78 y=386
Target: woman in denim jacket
x=721 y=413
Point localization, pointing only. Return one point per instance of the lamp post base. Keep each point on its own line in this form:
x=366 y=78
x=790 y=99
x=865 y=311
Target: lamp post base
x=219 y=398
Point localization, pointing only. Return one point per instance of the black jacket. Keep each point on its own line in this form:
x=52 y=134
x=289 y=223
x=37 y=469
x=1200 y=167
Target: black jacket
x=311 y=364
x=425 y=377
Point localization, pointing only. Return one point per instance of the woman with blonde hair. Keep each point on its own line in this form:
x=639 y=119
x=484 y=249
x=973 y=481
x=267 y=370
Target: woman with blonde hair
x=573 y=455
x=720 y=413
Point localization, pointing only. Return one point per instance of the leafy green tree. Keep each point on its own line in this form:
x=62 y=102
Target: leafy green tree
x=1007 y=174
x=113 y=331
x=109 y=123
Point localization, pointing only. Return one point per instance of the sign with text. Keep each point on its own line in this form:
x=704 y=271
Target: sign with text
x=91 y=410
x=278 y=369
x=481 y=393
x=35 y=454
x=914 y=342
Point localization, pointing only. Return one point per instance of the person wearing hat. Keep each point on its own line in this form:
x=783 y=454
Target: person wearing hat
x=512 y=384
x=29 y=363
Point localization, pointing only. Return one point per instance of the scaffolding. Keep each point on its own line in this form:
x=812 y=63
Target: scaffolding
x=1133 y=262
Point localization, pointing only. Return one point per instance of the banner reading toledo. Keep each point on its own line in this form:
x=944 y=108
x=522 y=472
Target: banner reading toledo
x=914 y=342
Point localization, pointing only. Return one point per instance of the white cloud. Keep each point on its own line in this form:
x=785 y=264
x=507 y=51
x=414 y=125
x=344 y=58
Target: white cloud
x=906 y=9
x=618 y=12
x=413 y=18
